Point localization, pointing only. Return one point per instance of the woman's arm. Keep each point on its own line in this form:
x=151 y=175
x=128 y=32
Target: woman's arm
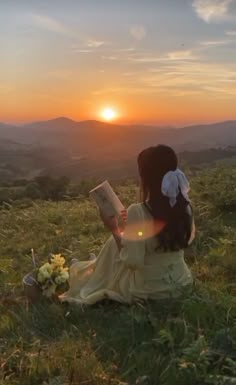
x=133 y=239
x=112 y=224
x=130 y=245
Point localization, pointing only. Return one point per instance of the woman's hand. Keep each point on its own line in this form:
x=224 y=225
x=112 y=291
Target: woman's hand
x=110 y=222
x=123 y=215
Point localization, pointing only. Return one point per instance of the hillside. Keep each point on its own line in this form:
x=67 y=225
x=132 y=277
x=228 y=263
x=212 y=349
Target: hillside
x=86 y=149
x=18 y=161
x=26 y=161
x=192 y=341
x=95 y=137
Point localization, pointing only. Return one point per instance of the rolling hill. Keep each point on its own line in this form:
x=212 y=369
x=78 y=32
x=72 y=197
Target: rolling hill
x=98 y=137
x=90 y=148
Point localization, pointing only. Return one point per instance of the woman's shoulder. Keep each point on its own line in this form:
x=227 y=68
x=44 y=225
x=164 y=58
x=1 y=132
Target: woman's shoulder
x=135 y=207
x=137 y=211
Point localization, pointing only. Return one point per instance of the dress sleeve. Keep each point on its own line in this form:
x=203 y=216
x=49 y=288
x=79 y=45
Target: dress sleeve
x=133 y=245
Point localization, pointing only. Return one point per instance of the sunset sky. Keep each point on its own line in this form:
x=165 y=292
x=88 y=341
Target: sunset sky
x=169 y=62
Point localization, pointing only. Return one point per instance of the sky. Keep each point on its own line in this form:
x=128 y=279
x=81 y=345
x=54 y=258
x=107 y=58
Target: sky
x=170 y=62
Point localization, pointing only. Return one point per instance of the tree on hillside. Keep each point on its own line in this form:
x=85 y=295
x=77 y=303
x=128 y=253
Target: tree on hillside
x=52 y=188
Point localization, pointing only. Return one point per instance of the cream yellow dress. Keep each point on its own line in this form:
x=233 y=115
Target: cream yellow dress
x=138 y=271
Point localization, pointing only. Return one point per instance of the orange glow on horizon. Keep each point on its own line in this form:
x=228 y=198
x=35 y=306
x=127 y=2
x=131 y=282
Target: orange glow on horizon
x=153 y=110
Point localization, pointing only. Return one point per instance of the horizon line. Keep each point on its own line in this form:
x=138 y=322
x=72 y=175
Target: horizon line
x=118 y=123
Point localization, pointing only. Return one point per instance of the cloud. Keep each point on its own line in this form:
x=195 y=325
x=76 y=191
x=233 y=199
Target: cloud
x=212 y=10
x=110 y=57
x=110 y=90
x=231 y=33
x=75 y=50
x=138 y=32
x=131 y=49
x=181 y=55
x=88 y=46
x=48 y=23
x=214 y=43
x=146 y=59
x=169 y=57
x=95 y=43
x=177 y=79
x=131 y=89
x=191 y=78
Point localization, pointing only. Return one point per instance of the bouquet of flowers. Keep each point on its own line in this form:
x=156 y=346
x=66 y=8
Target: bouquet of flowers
x=53 y=275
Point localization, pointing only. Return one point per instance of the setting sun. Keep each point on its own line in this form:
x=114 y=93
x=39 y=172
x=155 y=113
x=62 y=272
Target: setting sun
x=108 y=114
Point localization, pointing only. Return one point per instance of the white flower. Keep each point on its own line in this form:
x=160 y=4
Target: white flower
x=45 y=272
x=62 y=278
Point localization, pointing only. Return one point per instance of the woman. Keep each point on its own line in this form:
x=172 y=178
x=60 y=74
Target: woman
x=147 y=261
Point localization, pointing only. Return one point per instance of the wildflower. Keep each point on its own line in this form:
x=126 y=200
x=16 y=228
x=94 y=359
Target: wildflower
x=62 y=278
x=45 y=272
x=52 y=274
x=57 y=260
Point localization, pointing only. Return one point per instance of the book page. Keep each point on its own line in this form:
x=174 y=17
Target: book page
x=106 y=199
x=116 y=203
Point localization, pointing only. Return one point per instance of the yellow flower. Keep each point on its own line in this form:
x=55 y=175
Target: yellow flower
x=57 y=260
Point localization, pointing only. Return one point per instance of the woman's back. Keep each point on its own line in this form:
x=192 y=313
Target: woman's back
x=163 y=271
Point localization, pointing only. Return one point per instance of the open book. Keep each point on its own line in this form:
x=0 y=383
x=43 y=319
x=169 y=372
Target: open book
x=106 y=199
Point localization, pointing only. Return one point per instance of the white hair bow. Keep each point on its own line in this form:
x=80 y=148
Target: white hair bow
x=173 y=183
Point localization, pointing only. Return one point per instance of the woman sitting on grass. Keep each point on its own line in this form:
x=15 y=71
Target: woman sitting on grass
x=147 y=260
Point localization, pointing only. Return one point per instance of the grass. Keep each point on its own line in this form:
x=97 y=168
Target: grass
x=190 y=341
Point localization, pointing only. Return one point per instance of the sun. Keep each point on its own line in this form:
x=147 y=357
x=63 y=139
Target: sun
x=108 y=114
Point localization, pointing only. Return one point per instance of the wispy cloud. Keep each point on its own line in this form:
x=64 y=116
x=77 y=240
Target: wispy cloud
x=110 y=90
x=169 y=57
x=48 y=23
x=110 y=57
x=212 y=10
x=95 y=43
x=192 y=78
x=138 y=32
x=180 y=82
x=87 y=46
x=78 y=50
x=131 y=49
x=131 y=89
x=181 y=55
x=145 y=59
x=215 y=43
x=231 y=33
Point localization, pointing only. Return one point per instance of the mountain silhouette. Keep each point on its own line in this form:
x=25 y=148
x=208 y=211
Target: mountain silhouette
x=95 y=138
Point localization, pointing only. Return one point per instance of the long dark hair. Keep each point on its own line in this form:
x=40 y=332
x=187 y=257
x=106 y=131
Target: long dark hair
x=153 y=164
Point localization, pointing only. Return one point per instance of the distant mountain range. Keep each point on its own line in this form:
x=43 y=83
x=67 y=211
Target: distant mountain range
x=93 y=137
x=90 y=148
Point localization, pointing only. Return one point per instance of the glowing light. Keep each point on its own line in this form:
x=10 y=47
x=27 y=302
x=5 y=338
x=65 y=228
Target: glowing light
x=140 y=233
x=108 y=114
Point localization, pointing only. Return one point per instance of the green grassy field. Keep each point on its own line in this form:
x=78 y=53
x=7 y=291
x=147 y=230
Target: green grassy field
x=192 y=341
